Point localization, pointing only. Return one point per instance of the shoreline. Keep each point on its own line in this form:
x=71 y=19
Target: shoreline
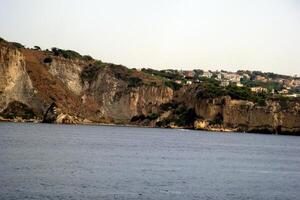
x=214 y=130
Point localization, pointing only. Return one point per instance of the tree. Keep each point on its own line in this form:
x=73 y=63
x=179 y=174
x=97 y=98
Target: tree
x=48 y=60
x=37 y=48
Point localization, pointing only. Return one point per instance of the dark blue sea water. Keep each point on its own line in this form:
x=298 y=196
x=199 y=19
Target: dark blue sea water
x=44 y=161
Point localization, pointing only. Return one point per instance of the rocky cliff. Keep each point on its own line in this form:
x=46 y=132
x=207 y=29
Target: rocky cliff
x=245 y=116
x=45 y=86
x=81 y=90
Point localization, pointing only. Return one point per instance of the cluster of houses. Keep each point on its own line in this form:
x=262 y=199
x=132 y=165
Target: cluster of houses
x=290 y=86
x=227 y=78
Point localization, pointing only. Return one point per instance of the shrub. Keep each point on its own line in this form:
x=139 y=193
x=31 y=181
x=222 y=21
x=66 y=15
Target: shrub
x=261 y=102
x=48 y=60
x=138 y=118
x=18 y=45
x=187 y=118
x=89 y=72
x=173 y=85
x=2 y=40
x=87 y=57
x=37 y=48
x=99 y=63
x=165 y=122
x=69 y=54
x=168 y=106
x=134 y=82
x=17 y=109
x=153 y=116
x=180 y=109
x=210 y=89
x=169 y=74
x=243 y=93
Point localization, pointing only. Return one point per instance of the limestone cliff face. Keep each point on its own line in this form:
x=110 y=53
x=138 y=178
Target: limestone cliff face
x=15 y=83
x=240 y=115
x=140 y=101
x=119 y=101
x=107 y=96
x=272 y=118
x=68 y=71
x=246 y=116
x=209 y=108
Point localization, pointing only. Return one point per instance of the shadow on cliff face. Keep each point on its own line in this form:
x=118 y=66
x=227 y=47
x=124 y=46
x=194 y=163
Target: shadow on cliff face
x=17 y=109
x=50 y=115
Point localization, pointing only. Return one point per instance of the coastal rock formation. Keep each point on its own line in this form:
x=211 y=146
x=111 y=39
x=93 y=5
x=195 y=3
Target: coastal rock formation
x=43 y=86
x=245 y=116
x=15 y=83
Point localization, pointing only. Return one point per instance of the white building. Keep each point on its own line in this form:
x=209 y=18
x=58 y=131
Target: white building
x=207 y=74
x=224 y=83
x=232 y=77
x=259 y=89
x=189 y=82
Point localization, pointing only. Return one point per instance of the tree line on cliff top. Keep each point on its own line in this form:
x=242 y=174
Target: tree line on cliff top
x=210 y=88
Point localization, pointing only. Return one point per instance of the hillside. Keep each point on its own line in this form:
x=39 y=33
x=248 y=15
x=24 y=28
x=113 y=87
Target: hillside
x=62 y=86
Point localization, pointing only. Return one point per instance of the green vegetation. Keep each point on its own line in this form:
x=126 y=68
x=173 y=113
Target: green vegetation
x=165 y=122
x=37 y=48
x=285 y=101
x=295 y=90
x=121 y=72
x=48 y=60
x=268 y=75
x=8 y=115
x=270 y=85
x=142 y=117
x=87 y=58
x=173 y=85
x=168 y=74
x=17 y=109
x=69 y=54
x=17 y=45
x=186 y=117
x=198 y=72
x=90 y=72
x=134 y=82
x=138 y=118
x=153 y=116
x=243 y=93
x=182 y=117
x=2 y=40
x=210 y=88
x=168 y=106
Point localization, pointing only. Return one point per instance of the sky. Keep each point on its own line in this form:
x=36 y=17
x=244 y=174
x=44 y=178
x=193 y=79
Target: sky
x=181 y=34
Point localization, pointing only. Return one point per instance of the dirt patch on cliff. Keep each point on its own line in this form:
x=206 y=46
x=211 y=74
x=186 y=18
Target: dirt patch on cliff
x=51 y=89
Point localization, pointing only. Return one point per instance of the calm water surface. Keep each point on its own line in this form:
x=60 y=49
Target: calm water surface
x=44 y=161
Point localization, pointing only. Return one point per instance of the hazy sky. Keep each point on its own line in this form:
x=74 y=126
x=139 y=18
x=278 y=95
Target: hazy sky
x=183 y=34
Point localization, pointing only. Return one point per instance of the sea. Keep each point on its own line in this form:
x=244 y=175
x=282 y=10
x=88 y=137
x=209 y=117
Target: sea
x=48 y=161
